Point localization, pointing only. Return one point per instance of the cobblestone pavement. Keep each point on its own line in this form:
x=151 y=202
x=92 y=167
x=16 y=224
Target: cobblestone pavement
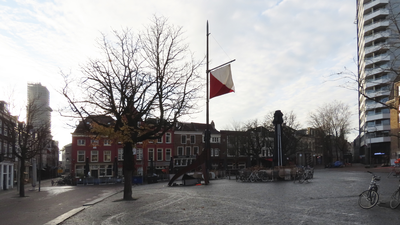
x=330 y=198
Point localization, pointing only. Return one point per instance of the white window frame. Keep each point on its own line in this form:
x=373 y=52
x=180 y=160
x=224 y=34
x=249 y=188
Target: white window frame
x=168 y=154
x=188 y=149
x=80 y=153
x=168 y=138
x=139 y=154
x=183 y=139
x=107 y=142
x=105 y=154
x=150 y=154
x=81 y=142
x=180 y=150
x=94 y=142
x=94 y=153
x=160 y=139
x=160 y=153
x=192 y=139
x=120 y=154
x=215 y=139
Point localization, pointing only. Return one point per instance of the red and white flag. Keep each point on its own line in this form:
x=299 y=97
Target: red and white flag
x=221 y=81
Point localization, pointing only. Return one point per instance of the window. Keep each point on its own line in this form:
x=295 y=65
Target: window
x=214 y=152
x=196 y=150
x=159 y=154
x=183 y=139
x=180 y=150
x=107 y=142
x=159 y=140
x=168 y=138
x=94 y=156
x=139 y=154
x=167 y=154
x=94 y=142
x=214 y=139
x=120 y=154
x=81 y=142
x=79 y=171
x=107 y=156
x=188 y=150
x=192 y=139
x=151 y=154
x=81 y=156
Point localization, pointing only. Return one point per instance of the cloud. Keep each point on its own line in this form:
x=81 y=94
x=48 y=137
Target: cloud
x=284 y=49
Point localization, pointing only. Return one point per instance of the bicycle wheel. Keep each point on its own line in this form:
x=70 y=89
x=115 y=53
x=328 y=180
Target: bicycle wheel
x=395 y=200
x=368 y=199
x=302 y=178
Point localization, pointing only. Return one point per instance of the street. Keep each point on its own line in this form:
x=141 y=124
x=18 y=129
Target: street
x=330 y=198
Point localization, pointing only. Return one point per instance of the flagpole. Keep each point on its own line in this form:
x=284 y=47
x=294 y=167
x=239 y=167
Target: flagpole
x=207 y=133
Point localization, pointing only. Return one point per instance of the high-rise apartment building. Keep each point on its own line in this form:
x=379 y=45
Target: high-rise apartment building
x=378 y=52
x=40 y=97
x=39 y=100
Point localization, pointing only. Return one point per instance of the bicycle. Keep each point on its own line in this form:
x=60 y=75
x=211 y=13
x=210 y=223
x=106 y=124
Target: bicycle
x=369 y=198
x=395 y=171
x=299 y=175
x=304 y=174
x=395 y=199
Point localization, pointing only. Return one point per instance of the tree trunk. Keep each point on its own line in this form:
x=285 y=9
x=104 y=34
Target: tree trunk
x=22 y=178
x=128 y=170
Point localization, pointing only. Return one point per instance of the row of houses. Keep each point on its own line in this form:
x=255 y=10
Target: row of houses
x=45 y=161
x=177 y=148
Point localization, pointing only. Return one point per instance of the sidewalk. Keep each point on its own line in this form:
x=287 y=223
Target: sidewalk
x=28 y=188
x=359 y=167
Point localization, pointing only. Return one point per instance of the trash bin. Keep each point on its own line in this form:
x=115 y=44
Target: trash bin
x=137 y=180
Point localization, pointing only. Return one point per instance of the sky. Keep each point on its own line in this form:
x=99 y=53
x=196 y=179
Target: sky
x=285 y=50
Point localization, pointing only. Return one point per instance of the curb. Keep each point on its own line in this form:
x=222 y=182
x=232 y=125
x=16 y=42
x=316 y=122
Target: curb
x=75 y=211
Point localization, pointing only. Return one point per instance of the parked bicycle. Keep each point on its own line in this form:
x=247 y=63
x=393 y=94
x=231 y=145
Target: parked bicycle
x=395 y=199
x=303 y=174
x=395 y=171
x=369 y=198
x=254 y=175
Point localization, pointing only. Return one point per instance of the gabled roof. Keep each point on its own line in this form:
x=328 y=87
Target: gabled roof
x=199 y=127
x=85 y=125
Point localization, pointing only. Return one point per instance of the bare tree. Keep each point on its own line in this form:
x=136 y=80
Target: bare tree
x=332 y=124
x=259 y=139
x=146 y=83
x=31 y=139
x=236 y=141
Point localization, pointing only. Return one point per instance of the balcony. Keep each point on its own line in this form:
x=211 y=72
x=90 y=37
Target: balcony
x=371 y=83
x=377 y=70
x=378 y=58
x=378 y=117
x=382 y=23
x=380 y=139
x=374 y=105
x=376 y=36
x=378 y=13
x=374 y=94
x=375 y=3
x=375 y=48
